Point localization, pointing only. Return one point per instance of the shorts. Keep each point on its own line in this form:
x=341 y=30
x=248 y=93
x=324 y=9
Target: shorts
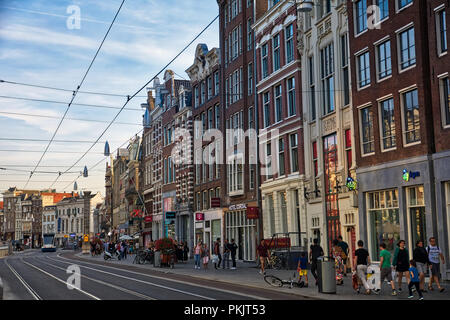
x=302 y=272
x=386 y=273
x=421 y=267
x=205 y=260
x=436 y=269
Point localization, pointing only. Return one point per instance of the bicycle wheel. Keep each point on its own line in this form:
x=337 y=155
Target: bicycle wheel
x=273 y=281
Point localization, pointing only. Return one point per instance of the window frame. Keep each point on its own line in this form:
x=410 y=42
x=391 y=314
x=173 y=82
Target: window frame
x=403 y=94
x=393 y=128
x=445 y=112
x=362 y=84
x=400 y=49
x=379 y=61
x=371 y=140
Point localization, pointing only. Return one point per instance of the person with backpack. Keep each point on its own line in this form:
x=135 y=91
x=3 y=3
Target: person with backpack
x=420 y=256
x=361 y=261
x=401 y=263
x=315 y=252
x=434 y=253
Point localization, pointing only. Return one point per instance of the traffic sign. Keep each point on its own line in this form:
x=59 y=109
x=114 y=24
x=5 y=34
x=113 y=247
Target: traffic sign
x=86 y=238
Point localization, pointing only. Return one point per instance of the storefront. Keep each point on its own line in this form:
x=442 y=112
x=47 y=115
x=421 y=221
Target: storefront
x=184 y=226
x=396 y=202
x=169 y=214
x=209 y=225
x=242 y=230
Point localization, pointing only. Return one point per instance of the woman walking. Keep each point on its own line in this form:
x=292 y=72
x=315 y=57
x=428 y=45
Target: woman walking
x=197 y=253
x=420 y=256
x=401 y=263
x=262 y=254
x=337 y=254
x=205 y=257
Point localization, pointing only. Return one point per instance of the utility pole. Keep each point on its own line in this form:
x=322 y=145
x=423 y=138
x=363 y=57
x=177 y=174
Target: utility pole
x=86 y=220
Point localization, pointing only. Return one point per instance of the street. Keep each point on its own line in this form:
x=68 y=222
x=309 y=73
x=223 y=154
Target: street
x=34 y=275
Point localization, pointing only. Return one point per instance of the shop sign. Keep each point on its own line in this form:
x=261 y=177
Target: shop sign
x=72 y=235
x=252 y=213
x=411 y=174
x=277 y=243
x=86 y=238
x=199 y=216
x=237 y=206
x=170 y=214
x=215 y=202
x=351 y=184
x=66 y=236
x=148 y=219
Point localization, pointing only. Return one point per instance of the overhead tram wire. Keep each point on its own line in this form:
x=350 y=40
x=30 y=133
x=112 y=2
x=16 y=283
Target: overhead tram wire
x=142 y=88
x=75 y=93
x=65 y=90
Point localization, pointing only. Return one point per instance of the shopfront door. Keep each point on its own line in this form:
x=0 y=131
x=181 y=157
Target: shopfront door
x=241 y=243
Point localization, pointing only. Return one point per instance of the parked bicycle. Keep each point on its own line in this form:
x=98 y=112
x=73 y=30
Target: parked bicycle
x=276 y=261
x=144 y=255
x=277 y=282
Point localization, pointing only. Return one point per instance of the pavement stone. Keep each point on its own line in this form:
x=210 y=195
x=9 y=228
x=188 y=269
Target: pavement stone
x=247 y=273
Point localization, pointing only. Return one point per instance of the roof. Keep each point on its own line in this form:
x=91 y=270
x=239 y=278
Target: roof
x=57 y=197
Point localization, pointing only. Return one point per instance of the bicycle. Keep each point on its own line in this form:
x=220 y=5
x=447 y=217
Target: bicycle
x=276 y=262
x=277 y=282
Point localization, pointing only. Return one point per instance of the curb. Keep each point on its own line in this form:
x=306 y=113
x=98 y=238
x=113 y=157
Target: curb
x=222 y=281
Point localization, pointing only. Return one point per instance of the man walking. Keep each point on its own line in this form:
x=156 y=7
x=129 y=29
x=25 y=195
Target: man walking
x=226 y=254
x=386 y=268
x=315 y=252
x=233 y=248
x=434 y=253
x=344 y=247
x=361 y=261
x=217 y=253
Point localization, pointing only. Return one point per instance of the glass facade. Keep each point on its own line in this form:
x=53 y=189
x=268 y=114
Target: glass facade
x=416 y=211
x=243 y=231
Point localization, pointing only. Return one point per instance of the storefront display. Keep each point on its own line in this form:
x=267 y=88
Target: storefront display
x=243 y=231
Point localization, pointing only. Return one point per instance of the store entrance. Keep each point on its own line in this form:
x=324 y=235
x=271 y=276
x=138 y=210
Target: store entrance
x=241 y=243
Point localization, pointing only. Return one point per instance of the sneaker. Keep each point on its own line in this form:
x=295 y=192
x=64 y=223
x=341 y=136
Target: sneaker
x=442 y=290
x=260 y=272
x=233 y=268
x=394 y=293
x=410 y=297
x=421 y=298
x=399 y=290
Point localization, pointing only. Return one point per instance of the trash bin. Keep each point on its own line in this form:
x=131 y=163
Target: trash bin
x=157 y=259
x=327 y=274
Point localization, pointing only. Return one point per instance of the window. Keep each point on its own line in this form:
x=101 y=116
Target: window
x=269 y=160
x=445 y=100
x=251 y=118
x=407 y=49
x=217 y=115
x=250 y=78
x=383 y=6
x=441 y=32
x=281 y=170
x=327 y=68
x=384 y=220
x=315 y=159
x=252 y=166
x=344 y=67
x=312 y=93
x=203 y=93
x=411 y=117
x=196 y=97
x=210 y=118
x=403 y=3
x=289 y=35
x=348 y=149
x=276 y=52
x=361 y=15
x=273 y=3
x=210 y=88
x=216 y=83
x=367 y=131
x=416 y=213
x=293 y=141
x=265 y=66
x=234 y=8
x=291 y=97
x=235 y=43
x=387 y=122
x=205 y=200
x=227 y=93
x=249 y=35
x=266 y=106
x=278 y=104
x=384 y=60
x=363 y=70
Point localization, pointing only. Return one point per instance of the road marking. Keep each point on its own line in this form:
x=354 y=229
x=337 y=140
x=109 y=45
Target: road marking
x=171 y=280
x=25 y=284
x=62 y=281
x=104 y=283
x=137 y=280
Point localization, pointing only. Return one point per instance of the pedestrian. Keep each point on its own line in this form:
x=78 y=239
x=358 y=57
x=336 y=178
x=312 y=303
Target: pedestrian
x=414 y=280
x=302 y=269
x=125 y=249
x=337 y=254
x=420 y=256
x=216 y=251
x=344 y=246
x=205 y=257
x=361 y=261
x=315 y=252
x=197 y=253
x=185 y=251
x=180 y=251
x=262 y=255
x=401 y=263
x=434 y=253
x=226 y=254
x=386 y=268
x=233 y=248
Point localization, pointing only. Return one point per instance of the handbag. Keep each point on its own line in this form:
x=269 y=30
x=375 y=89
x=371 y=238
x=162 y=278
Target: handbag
x=214 y=258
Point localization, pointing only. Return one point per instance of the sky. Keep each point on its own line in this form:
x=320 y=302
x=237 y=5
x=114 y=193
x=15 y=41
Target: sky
x=41 y=44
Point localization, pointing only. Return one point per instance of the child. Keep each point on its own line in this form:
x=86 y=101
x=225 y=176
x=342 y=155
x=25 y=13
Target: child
x=205 y=257
x=302 y=268
x=415 y=281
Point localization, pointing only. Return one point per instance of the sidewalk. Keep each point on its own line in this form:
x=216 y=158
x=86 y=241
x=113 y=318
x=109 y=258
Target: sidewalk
x=248 y=274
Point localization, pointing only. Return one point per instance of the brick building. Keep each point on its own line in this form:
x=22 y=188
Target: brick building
x=278 y=84
x=400 y=119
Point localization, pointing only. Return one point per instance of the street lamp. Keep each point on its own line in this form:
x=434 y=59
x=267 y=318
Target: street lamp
x=305 y=5
x=106 y=152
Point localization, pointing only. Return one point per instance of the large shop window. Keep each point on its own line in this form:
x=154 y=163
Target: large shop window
x=416 y=211
x=384 y=221
x=243 y=231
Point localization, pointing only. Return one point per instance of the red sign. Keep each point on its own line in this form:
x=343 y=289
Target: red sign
x=215 y=202
x=199 y=216
x=252 y=213
x=277 y=243
x=148 y=219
